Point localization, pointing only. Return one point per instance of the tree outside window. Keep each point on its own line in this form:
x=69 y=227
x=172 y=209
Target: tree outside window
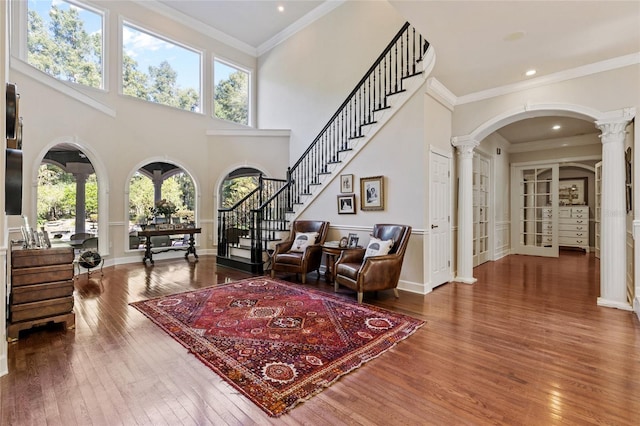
x=159 y=71
x=65 y=41
x=231 y=93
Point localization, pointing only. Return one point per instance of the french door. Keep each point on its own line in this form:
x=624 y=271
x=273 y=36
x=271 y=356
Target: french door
x=534 y=210
x=481 y=215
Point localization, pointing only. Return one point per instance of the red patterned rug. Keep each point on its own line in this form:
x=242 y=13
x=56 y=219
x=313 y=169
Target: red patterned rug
x=277 y=343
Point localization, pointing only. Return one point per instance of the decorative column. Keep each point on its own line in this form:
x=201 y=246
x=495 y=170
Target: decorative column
x=81 y=172
x=613 y=252
x=157 y=185
x=81 y=202
x=465 y=147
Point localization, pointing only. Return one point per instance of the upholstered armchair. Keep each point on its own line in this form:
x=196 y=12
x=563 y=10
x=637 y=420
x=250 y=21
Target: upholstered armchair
x=367 y=270
x=301 y=253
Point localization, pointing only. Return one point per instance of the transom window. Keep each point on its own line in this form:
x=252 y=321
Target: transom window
x=65 y=41
x=159 y=71
x=231 y=93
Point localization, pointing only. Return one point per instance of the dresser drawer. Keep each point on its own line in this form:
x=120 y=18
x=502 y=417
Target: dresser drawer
x=42 y=257
x=36 y=292
x=573 y=241
x=573 y=234
x=41 y=309
x=41 y=274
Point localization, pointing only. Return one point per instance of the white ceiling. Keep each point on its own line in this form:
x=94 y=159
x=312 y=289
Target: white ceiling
x=479 y=45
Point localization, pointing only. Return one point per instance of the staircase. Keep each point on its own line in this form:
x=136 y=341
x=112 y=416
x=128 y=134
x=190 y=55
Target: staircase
x=248 y=231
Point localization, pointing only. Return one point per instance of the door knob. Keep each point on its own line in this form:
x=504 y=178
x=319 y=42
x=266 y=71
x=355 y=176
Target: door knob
x=434 y=226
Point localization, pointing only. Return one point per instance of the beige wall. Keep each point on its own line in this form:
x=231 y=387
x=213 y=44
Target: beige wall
x=137 y=132
x=304 y=80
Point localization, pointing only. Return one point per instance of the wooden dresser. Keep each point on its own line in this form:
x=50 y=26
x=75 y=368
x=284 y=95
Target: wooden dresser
x=573 y=227
x=41 y=289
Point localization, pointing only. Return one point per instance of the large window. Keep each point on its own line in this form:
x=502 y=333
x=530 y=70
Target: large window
x=159 y=71
x=65 y=41
x=231 y=93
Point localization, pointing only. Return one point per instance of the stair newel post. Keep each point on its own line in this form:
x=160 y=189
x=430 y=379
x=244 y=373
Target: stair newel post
x=289 y=190
x=222 y=240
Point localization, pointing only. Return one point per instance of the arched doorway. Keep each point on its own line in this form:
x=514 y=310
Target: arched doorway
x=67 y=193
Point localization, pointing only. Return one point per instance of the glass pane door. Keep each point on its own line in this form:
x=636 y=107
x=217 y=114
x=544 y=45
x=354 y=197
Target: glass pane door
x=480 y=209
x=534 y=210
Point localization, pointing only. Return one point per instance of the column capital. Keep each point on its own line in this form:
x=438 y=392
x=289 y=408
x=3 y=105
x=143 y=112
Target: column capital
x=464 y=145
x=613 y=124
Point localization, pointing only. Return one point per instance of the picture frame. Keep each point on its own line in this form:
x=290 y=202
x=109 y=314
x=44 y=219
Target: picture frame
x=346 y=183
x=573 y=191
x=347 y=204
x=344 y=242
x=353 y=240
x=372 y=193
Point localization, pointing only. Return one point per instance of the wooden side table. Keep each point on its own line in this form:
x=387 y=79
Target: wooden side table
x=333 y=252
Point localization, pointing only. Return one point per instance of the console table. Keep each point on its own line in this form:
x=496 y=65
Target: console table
x=148 y=233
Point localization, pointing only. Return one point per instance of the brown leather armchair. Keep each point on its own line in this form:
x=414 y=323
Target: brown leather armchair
x=375 y=272
x=300 y=262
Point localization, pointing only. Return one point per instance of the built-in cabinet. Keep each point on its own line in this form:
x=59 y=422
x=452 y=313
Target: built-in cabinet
x=573 y=227
x=41 y=289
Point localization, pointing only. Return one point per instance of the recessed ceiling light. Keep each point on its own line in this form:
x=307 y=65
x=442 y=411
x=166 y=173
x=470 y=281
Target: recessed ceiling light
x=280 y=8
x=557 y=127
x=530 y=73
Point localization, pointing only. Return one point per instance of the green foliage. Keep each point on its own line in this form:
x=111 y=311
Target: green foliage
x=231 y=98
x=57 y=194
x=234 y=190
x=177 y=190
x=65 y=50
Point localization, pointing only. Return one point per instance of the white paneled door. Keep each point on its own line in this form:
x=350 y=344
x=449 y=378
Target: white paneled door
x=440 y=218
x=534 y=210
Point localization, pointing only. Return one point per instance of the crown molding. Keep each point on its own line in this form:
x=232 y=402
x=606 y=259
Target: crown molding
x=440 y=93
x=196 y=25
x=300 y=24
x=585 y=70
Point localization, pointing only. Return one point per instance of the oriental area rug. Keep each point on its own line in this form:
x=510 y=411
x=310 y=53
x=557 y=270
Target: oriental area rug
x=278 y=343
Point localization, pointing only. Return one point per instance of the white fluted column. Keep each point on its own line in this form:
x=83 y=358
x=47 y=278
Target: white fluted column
x=465 y=147
x=613 y=252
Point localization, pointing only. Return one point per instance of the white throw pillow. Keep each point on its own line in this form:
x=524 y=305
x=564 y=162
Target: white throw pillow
x=302 y=240
x=378 y=247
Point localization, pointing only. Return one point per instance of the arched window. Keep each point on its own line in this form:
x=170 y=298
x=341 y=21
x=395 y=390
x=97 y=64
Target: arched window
x=67 y=201
x=237 y=185
x=160 y=183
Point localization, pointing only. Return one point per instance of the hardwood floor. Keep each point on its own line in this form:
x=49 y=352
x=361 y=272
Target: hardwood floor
x=525 y=345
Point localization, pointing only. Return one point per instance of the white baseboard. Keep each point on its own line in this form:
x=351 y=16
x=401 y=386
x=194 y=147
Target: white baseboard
x=614 y=304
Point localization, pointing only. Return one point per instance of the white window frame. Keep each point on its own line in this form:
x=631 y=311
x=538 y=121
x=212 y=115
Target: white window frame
x=145 y=29
x=19 y=13
x=249 y=89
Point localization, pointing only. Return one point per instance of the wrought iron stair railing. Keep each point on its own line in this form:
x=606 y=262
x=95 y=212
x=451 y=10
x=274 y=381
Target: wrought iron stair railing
x=262 y=213
x=236 y=222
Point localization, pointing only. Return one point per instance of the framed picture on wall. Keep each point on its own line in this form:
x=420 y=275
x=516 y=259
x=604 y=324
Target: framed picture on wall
x=372 y=193
x=573 y=191
x=347 y=204
x=346 y=183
